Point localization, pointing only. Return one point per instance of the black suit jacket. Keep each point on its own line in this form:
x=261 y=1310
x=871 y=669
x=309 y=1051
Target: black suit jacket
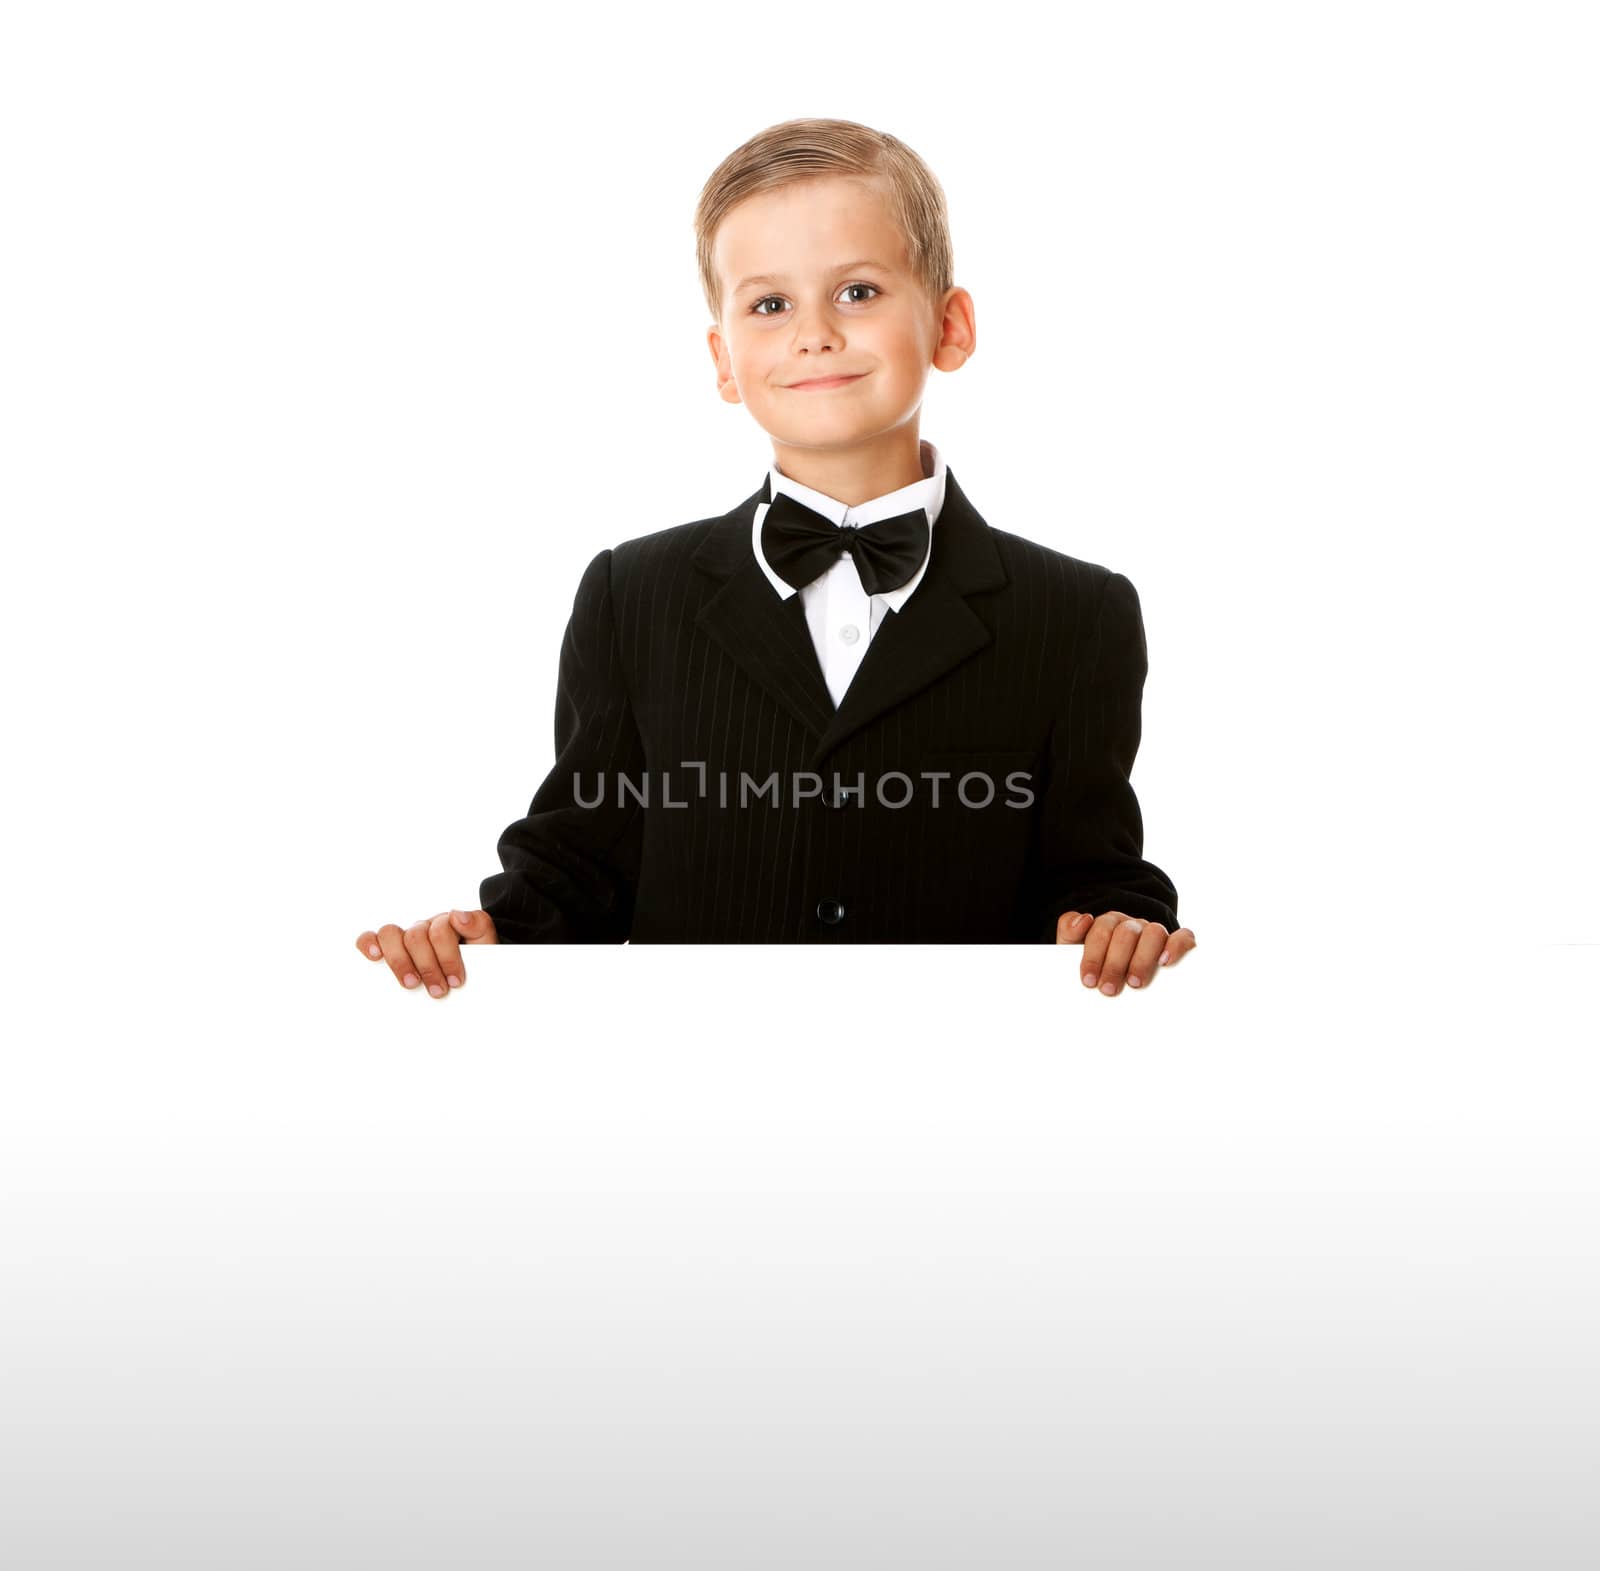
x=682 y=670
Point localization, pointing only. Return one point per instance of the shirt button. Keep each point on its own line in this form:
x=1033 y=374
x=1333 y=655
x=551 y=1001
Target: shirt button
x=850 y=632
x=830 y=911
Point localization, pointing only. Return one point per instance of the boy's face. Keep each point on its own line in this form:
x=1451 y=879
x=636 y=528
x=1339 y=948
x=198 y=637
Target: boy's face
x=838 y=299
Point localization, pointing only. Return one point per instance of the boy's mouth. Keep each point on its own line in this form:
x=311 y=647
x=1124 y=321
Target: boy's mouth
x=818 y=383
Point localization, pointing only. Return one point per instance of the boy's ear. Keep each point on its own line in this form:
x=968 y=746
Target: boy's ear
x=958 y=331
x=727 y=388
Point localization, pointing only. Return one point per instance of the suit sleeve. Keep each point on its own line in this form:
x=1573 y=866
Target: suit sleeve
x=1091 y=835
x=570 y=871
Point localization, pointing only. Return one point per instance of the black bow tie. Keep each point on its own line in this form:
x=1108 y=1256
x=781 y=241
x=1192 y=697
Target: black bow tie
x=799 y=544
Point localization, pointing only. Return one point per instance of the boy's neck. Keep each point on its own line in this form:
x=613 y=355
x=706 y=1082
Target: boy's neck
x=854 y=475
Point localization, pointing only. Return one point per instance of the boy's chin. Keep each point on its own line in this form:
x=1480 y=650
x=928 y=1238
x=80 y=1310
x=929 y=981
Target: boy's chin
x=823 y=429
x=822 y=439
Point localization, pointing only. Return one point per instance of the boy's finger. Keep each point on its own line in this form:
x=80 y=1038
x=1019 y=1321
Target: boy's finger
x=475 y=927
x=424 y=961
x=1095 y=942
x=1124 y=939
x=1071 y=926
x=392 y=941
x=1143 y=963
x=446 y=945
x=1177 y=946
x=369 y=946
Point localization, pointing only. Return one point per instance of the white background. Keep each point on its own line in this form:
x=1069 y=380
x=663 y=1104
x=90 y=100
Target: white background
x=334 y=341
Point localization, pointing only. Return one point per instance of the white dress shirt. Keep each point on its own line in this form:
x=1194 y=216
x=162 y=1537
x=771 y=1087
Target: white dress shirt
x=842 y=616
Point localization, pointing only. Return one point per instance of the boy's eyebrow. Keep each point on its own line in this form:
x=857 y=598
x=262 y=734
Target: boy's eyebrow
x=839 y=267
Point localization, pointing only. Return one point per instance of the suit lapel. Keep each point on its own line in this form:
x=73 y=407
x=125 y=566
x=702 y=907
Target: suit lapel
x=765 y=633
x=768 y=635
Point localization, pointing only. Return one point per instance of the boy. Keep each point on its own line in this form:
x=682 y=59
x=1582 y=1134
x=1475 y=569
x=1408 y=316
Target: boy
x=847 y=710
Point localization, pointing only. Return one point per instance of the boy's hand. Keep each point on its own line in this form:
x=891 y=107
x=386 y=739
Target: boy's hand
x=1118 y=946
x=429 y=953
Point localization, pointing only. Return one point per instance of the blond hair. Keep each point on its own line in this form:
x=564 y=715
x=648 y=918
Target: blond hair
x=796 y=150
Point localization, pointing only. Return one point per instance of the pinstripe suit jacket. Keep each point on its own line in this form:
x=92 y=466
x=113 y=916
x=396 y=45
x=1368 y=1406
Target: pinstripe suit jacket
x=687 y=685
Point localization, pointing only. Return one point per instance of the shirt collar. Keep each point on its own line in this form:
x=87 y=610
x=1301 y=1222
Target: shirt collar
x=927 y=493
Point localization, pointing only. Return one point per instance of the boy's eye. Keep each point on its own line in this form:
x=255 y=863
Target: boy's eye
x=756 y=310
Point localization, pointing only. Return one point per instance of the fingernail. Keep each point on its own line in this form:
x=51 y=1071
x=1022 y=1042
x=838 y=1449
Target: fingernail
x=1166 y=955
x=1088 y=978
x=1108 y=988
x=1134 y=981
x=436 y=990
x=410 y=980
x=374 y=951
x=454 y=981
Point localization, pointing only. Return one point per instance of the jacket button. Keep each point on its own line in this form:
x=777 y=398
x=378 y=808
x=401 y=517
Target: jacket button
x=830 y=911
